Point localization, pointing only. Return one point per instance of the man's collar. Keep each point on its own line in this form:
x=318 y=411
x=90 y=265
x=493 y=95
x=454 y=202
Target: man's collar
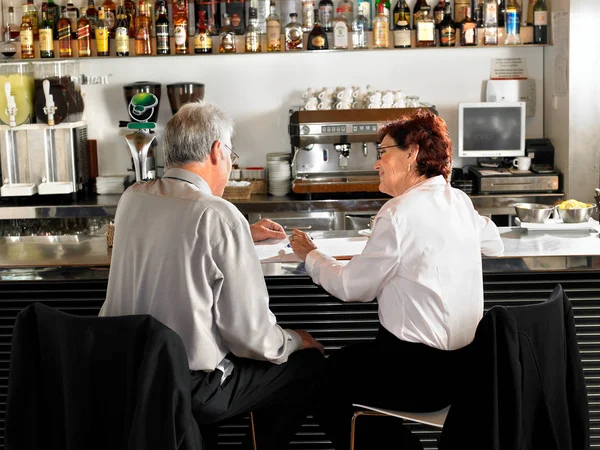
x=190 y=177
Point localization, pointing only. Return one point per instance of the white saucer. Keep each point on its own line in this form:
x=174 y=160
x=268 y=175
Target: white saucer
x=365 y=232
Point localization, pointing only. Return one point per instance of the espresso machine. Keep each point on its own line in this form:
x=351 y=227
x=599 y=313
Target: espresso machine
x=335 y=150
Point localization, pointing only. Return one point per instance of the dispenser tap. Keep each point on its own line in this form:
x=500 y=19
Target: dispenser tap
x=11 y=105
x=344 y=154
x=50 y=107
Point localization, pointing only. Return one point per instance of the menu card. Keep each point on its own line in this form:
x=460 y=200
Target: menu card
x=275 y=250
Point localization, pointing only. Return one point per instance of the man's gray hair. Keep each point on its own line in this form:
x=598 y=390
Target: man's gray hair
x=190 y=133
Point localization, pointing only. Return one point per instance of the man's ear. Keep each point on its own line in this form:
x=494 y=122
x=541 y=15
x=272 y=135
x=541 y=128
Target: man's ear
x=216 y=153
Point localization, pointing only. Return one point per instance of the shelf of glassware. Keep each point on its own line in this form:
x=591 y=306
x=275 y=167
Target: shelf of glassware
x=240 y=47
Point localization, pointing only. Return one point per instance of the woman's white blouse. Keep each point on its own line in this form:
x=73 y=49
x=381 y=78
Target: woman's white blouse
x=422 y=262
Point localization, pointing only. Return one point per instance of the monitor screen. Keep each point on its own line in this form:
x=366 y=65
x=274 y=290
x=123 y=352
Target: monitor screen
x=491 y=129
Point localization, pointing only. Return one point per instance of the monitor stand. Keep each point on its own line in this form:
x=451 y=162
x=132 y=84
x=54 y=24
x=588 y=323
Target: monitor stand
x=489 y=163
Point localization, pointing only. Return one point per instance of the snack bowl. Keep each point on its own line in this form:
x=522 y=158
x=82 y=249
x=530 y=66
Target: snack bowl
x=533 y=212
x=576 y=215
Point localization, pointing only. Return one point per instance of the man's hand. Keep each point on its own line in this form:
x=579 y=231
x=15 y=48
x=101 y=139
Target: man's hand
x=266 y=229
x=309 y=342
x=301 y=243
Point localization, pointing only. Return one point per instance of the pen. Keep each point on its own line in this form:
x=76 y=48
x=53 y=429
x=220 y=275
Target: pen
x=290 y=245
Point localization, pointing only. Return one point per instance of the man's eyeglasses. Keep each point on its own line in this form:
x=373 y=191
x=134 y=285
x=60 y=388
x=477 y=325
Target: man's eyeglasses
x=234 y=156
x=379 y=152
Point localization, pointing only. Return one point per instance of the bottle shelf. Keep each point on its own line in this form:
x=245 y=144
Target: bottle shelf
x=240 y=47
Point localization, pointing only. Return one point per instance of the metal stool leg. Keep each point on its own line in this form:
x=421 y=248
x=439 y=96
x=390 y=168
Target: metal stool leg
x=353 y=423
x=253 y=431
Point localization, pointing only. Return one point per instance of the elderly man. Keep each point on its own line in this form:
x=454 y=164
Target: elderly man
x=186 y=256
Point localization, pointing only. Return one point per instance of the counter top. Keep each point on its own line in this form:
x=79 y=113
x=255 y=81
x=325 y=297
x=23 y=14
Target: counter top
x=56 y=206
x=524 y=251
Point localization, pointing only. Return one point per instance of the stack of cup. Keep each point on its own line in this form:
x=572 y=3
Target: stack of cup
x=278 y=166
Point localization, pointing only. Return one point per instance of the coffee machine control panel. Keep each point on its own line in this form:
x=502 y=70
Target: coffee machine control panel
x=337 y=129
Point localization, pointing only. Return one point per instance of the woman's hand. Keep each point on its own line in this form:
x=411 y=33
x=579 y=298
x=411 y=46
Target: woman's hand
x=301 y=243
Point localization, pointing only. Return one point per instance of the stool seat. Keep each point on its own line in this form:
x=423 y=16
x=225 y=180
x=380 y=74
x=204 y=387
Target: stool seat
x=434 y=418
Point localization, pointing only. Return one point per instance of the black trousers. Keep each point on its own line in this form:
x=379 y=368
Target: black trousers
x=387 y=373
x=279 y=396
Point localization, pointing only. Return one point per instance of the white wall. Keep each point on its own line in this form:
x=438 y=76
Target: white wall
x=258 y=90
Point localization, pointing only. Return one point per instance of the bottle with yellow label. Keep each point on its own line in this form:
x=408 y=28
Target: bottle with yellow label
x=26 y=37
x=202 y=38
x=101 y=34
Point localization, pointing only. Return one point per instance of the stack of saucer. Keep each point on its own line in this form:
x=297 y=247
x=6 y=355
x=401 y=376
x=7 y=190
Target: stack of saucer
x=110 y=184
x=278 y=166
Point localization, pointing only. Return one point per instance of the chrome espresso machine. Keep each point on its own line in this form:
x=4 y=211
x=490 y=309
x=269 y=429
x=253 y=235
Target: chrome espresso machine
x=335 y=150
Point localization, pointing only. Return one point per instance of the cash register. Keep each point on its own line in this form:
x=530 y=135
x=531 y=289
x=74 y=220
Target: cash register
x=494 y=133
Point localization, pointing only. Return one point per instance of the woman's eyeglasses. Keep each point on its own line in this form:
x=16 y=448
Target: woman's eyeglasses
x=379 y=152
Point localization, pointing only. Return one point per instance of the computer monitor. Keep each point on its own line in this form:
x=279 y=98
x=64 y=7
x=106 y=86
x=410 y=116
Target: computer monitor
x=491 y=129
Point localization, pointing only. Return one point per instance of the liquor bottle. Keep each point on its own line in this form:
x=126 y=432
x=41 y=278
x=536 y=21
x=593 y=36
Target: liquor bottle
x=420 y=7
x=227 y=35
x=512 y=23
x=326 y=15
x=478 y=14
x=438 y=12
x=163 y=45
x=490 y=22
x=46 y=35
x=121 y=32
x=180 y=29
x=448 y=28
x=347 y=10
x=110 y=17
x=92 y=15
x=501 y=12
x=30 y=9
x=308 y=15
x=84 y=45
x=101 y=33
x=365 y=7
x=72 y=15
x=426 y=30
x=380 y=28
x=468 y=30
x=143 y=45
x=11 y=29
x=212 y=14
x=340 y=31
x=360 y=26
x=26 y=37
x=402 y=34
x=130 y=12
x=540 y=22
x=237 y=13
x=386 y=9
x=293 y=34
x=202 y=38
x=64 y=35
x=53 y=12
x=317 y=39
x=252 y=38
x=273 y=30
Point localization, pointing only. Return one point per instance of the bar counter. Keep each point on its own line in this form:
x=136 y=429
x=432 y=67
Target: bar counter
x=70 y=273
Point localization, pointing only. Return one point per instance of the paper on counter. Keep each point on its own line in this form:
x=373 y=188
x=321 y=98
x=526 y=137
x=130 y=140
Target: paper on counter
x=273 y=250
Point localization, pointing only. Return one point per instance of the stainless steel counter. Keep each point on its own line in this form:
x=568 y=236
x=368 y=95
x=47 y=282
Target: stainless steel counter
x=524 y=251
x=105 y=205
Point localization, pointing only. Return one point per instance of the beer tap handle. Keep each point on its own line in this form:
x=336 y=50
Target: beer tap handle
x=50 y=107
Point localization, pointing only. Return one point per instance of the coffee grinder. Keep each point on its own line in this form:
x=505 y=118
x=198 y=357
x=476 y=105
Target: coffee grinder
x=143 y=98
x=180 y=93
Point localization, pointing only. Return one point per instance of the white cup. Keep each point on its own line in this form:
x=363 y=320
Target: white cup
x=358 y=104
x=310 y=92
x=324 y=105
x=311 y=104
x=388 y=97
x=326 y=93
x=375 y=97
x=344 y=95
x=374 y=106
x=522 y=162
x=342 y=105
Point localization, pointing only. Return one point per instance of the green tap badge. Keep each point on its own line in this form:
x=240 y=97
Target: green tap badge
x=141 y=108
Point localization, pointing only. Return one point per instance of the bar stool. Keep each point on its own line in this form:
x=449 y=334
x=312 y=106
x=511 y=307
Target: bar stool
x=434 y=418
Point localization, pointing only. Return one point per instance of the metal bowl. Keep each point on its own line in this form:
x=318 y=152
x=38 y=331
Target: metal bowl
x=576 y=215
x=533 y=212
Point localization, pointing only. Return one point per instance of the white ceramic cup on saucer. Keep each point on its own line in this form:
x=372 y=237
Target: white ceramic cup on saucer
x=522 y=162
x=325 y=94
x=342 y=105
x=324 y=105
x=310 y=92
x=311 y=104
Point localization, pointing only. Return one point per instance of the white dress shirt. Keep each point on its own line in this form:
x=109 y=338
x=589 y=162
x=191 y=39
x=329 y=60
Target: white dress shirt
x=187 y=258
x=422 y=262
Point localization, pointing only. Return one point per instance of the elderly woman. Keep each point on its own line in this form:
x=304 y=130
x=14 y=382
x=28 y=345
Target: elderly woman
x=423 y=264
